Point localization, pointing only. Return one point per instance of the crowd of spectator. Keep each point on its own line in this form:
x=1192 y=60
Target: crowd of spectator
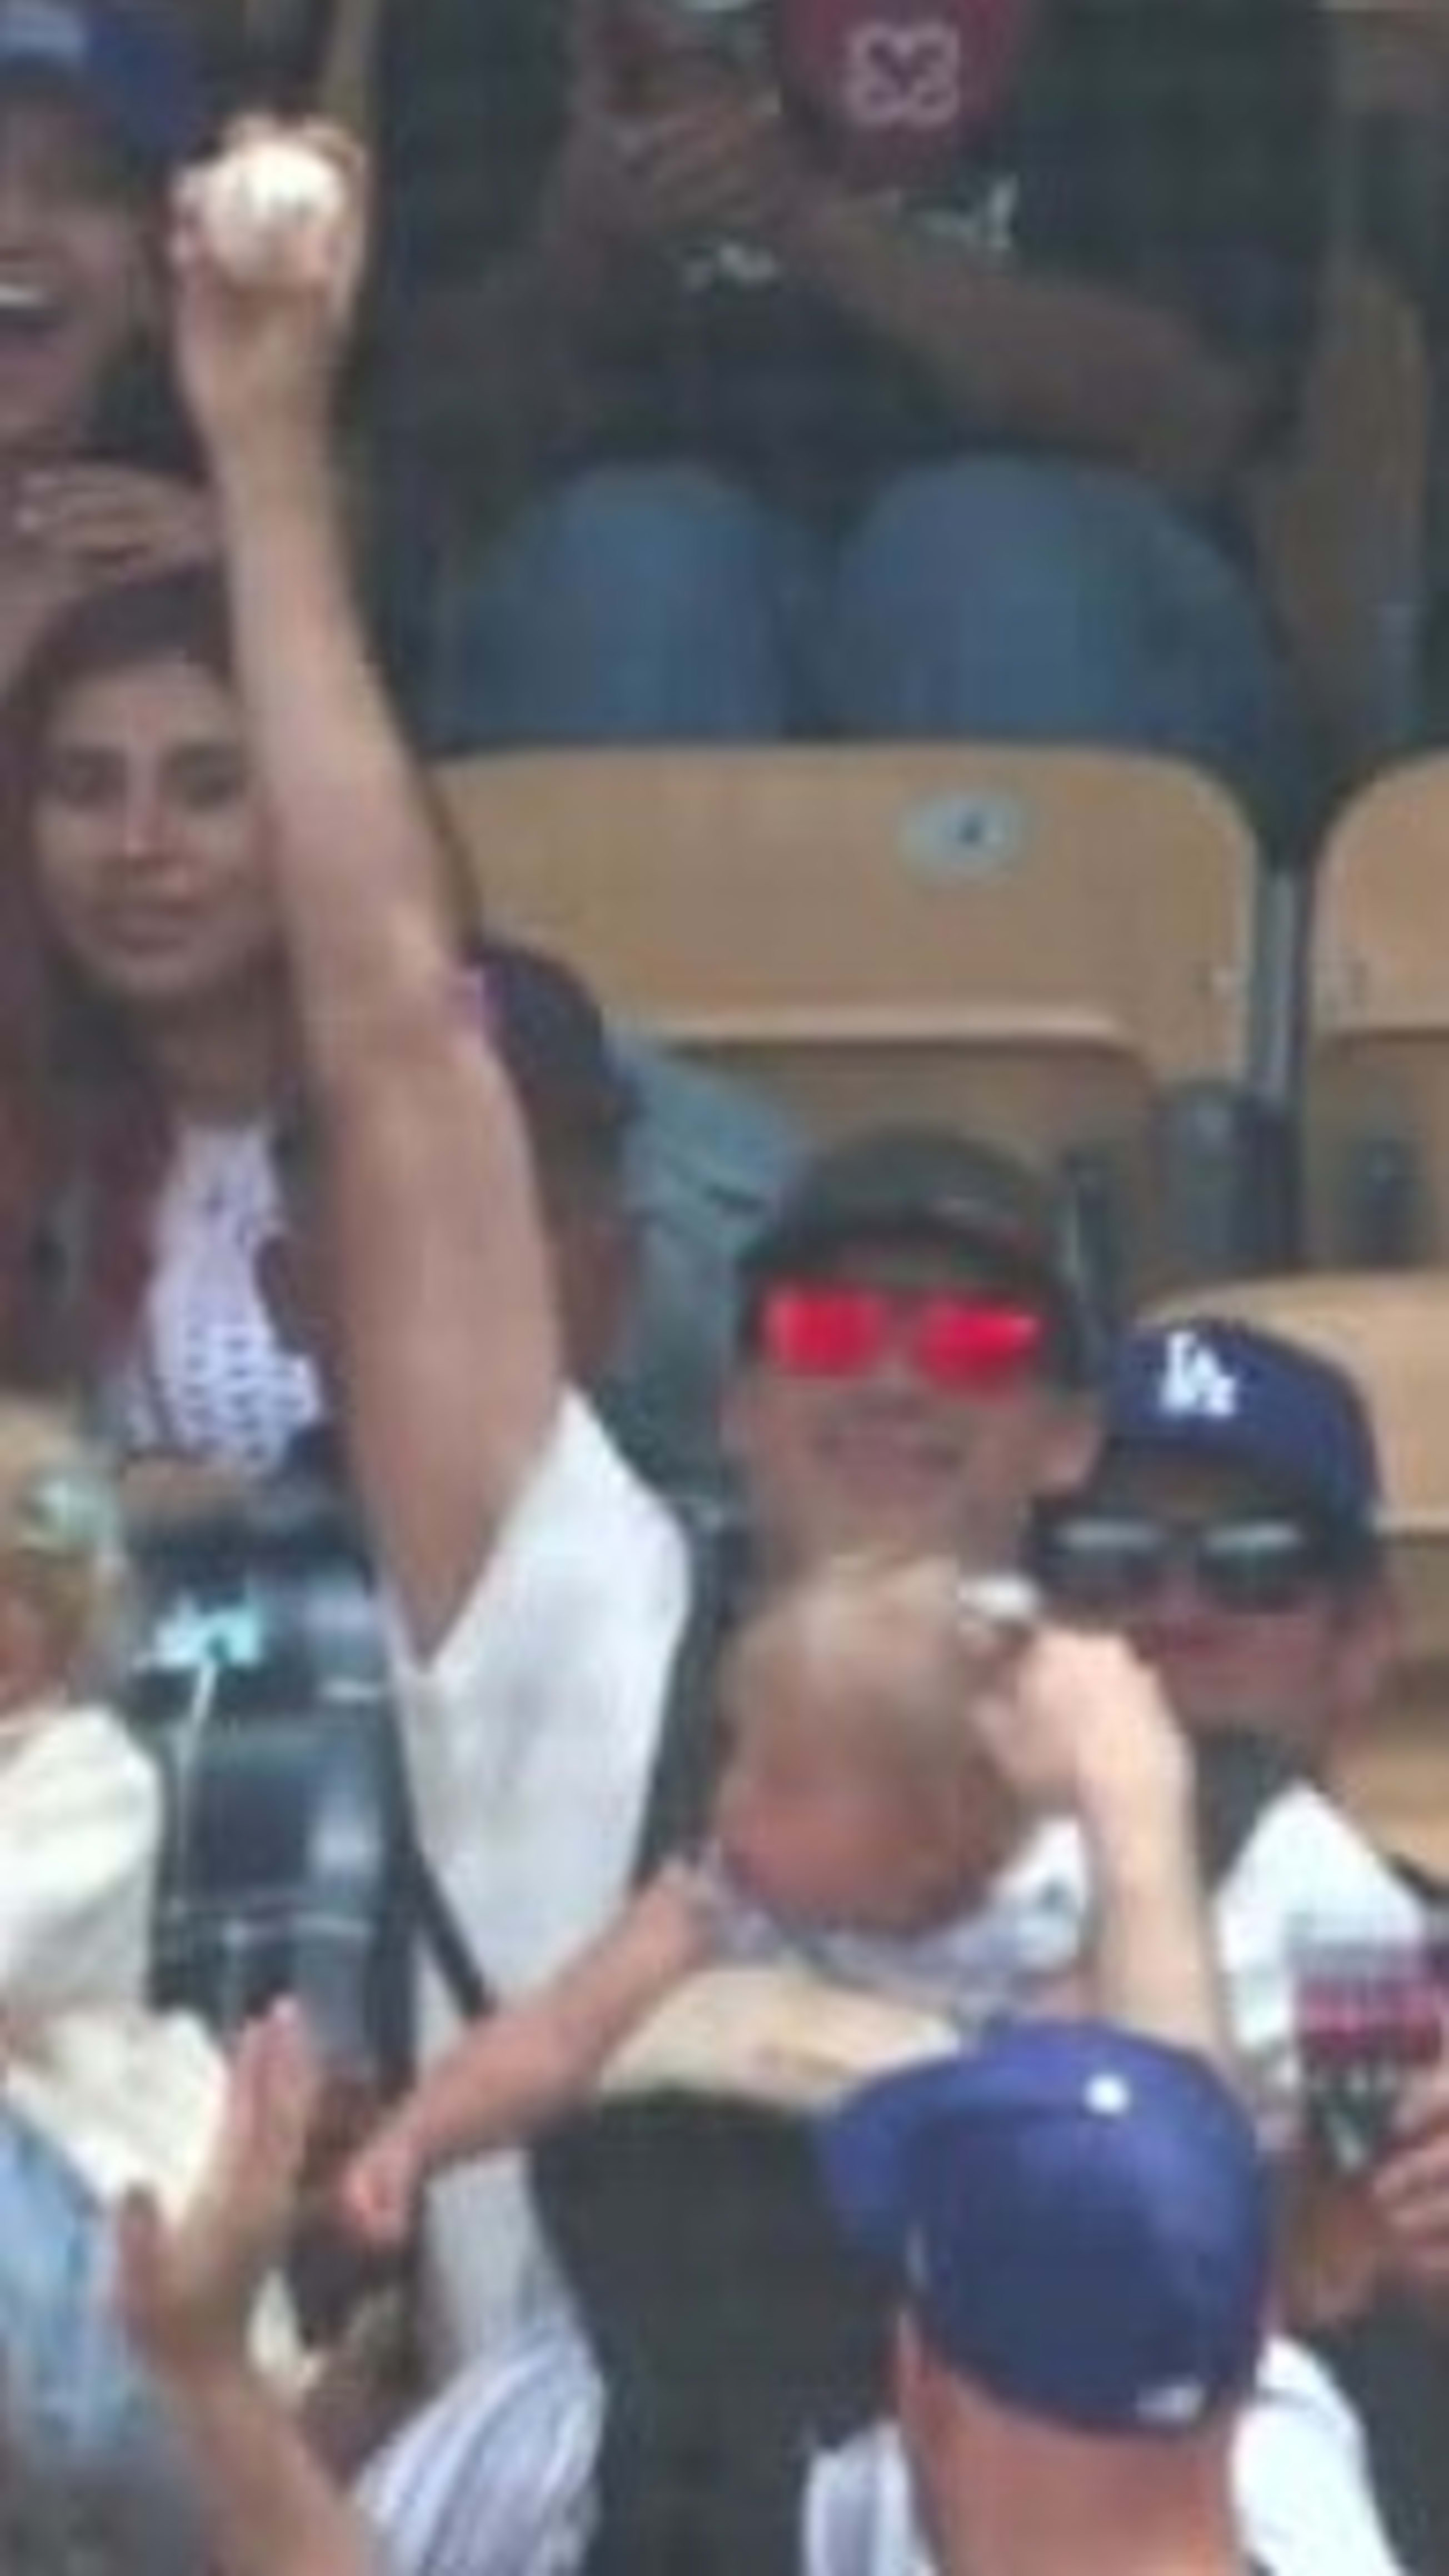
x=859 y=1750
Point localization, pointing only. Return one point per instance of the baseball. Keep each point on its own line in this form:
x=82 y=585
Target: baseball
x=1005 y=1600
x=268 y=205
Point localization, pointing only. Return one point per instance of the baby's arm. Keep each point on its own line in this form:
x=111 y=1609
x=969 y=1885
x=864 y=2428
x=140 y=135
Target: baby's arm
x=1079 y=1727
x=521 y=2067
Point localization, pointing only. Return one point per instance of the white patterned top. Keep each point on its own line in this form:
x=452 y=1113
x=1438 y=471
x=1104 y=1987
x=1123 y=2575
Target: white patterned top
x=206 y=1375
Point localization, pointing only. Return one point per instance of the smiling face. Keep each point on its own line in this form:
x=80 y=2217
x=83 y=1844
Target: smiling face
x=78 y=273
x=886 y=1456
x=149 y=850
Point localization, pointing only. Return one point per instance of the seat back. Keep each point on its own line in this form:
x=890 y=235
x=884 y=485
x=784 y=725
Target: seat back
x=1377 y=1059
x=1034 y=944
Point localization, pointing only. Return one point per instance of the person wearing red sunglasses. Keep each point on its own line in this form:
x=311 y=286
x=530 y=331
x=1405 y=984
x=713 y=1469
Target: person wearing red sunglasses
x=913 y=1355
x=558 y=1625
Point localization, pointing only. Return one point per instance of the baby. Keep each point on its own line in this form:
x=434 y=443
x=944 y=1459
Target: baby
x=79 y=1803
x=933 y=1810
x=98 y=2094
x=894 y=1735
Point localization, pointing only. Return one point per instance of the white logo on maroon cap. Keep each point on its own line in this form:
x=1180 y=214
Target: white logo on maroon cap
x=904 y=76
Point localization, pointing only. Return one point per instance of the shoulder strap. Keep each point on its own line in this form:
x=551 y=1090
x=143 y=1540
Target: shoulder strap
x=684 y=1767
x=441 y=1934
x=686 y=1762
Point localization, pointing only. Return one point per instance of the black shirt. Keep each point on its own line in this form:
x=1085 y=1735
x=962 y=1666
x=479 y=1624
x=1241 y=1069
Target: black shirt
x=1172 y=149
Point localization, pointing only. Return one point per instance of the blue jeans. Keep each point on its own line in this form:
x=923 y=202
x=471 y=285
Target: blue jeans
x=987 y=597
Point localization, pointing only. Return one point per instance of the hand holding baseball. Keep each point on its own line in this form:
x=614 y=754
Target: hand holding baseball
x=271 y=207
x=268 y=247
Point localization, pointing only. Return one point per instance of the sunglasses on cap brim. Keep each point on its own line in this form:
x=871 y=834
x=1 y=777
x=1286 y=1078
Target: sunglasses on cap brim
x=971 y=1341
x=1098 y=1560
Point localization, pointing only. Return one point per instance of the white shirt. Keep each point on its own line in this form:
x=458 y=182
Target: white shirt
x=1300 y=2479
x=128 y=2097
x=80 y=1824
x=530 y=1741
x=494 y=2479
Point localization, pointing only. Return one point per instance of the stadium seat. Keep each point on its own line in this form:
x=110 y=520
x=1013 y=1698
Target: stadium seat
x=1048 y=946
x=1391 y=1330
x=1377 y=1053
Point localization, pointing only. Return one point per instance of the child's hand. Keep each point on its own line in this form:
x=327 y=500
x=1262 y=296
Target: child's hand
x=1077 y=1724
x=377 y=2193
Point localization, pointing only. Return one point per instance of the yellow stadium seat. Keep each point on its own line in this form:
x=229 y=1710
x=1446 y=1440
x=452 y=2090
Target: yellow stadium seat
x=1037 y=944
x=1377 y=1055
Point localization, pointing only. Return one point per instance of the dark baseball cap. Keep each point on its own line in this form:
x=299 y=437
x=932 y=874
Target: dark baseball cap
x=934 y=1186
x=128 y=66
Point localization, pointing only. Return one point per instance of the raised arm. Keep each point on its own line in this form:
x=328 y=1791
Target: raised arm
x=1079 y=1727
x=443 y=1304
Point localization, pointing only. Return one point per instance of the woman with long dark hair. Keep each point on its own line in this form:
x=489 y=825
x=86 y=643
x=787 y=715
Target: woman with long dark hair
x=156 y=1010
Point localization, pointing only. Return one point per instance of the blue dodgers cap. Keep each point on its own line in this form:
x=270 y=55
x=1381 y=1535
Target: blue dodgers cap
x=1077 y=2218
x=129 y=66
x=1208 y=1387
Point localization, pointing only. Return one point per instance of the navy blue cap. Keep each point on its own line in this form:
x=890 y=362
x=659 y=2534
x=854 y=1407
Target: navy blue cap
x=1208 y=1387
x=129 y=66
x=1077 y=2218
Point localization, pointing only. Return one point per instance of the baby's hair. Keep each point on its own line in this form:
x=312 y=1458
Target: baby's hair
x=886 y=1648
x=60 y=1529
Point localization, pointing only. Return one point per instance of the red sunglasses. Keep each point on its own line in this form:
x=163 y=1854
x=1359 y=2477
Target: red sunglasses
x=814 y=1328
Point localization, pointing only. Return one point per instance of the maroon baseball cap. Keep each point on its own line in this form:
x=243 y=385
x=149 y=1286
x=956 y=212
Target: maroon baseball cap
x=902 y=87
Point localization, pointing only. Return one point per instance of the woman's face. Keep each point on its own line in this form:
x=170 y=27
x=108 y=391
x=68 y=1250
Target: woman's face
x=77 y=273
x=149 y=851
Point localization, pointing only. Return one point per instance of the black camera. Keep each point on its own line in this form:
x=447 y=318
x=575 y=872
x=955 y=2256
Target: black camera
x=259 y=1681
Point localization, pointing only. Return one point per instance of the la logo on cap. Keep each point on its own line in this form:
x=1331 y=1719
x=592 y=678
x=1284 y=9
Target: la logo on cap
x=1194 y=1385
x=1172 y=2406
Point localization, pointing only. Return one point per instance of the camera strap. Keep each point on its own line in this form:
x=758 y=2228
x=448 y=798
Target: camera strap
x=680 y=1783
x=444 y=1942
